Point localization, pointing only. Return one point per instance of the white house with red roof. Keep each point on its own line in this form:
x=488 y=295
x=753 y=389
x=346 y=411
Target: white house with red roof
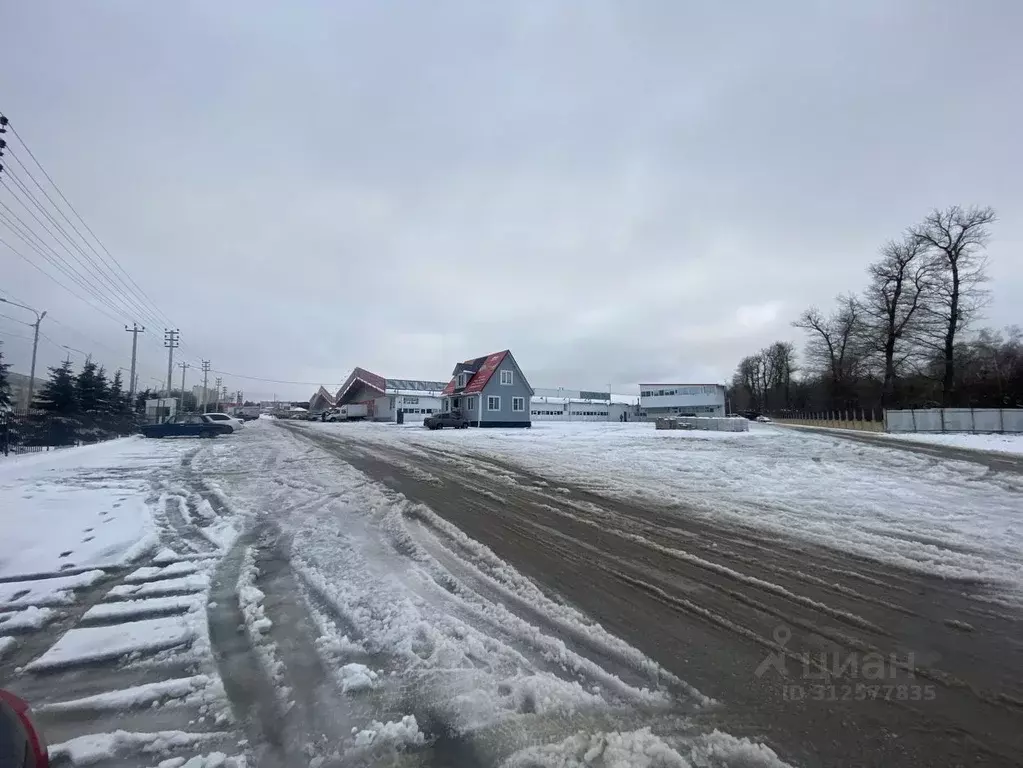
x=376 y=398
x=490 y=391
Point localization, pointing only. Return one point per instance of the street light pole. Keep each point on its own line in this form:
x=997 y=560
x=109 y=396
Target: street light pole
x=35 y=345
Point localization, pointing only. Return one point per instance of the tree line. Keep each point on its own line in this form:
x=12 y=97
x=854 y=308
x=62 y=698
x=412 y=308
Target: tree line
x=907 y=340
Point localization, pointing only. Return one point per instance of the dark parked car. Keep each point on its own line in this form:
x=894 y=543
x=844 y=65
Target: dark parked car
x=449 y=419
x=187 y=425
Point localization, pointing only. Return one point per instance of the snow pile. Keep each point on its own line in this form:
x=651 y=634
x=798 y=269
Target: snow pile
x=186 y=690
x=643 y=749
x=86 y=644
x=32 y=617
x=212 y=760
x=129 y=608
x=7 y=645
x=56 y=591
x=257 y=624
x=395 y=734
x=356 y=677
x=97 y=747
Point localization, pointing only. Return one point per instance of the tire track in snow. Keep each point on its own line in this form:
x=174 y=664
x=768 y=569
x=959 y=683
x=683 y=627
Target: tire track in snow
x=910 y=606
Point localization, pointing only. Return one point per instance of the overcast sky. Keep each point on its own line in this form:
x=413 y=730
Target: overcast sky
x=616 y=191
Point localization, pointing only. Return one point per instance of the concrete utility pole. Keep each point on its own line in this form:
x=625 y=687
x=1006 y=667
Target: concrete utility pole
x=35 y=345
x=205 y=375
x=184 y=367
x=170 y=340
x=135 y=330
x=216 y=389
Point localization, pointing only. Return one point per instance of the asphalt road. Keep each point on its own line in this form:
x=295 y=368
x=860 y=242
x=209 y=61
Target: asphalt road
x=996 y=462
x=831 y=659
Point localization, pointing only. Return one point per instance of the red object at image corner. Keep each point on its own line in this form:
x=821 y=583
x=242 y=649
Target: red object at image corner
x=21 y=745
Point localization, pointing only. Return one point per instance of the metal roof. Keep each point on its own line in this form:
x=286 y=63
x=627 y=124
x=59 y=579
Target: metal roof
x=416 y=385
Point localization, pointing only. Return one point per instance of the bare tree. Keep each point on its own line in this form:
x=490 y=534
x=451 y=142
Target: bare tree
x=894 y=303
x=836 y=343
x=954 y=239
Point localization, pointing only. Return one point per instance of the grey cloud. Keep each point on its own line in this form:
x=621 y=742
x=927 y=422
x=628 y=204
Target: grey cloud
x=615 y=191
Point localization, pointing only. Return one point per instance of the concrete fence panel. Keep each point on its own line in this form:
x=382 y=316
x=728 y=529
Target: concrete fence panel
x=955 y=420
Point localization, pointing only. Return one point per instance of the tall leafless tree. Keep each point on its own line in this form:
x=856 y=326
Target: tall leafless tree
x=836 y=343
x=954 y=239
x=900 y=291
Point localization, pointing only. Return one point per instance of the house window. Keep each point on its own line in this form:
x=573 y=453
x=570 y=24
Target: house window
x=518 y=403
x=444 y=404
x=493 y=402
x=470 y=403
x=463 y=379
x=507 y=377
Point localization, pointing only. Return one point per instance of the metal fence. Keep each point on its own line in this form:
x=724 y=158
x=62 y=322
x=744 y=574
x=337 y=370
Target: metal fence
x=955 y=420
x=28 y=432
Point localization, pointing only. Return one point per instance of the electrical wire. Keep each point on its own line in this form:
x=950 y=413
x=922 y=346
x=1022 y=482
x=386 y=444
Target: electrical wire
x=93 y=268
x=47 y=274
x=86 y=276
x=85 y=224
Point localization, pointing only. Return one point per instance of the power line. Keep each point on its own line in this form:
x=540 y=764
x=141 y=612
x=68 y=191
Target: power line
x=127 y=300
x=93 y=283
x=85 y=224
x=16 y=320
x=51 y=277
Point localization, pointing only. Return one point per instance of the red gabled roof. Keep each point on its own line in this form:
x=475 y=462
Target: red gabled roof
x=484 y=368
x=485 y=372
x=322 y=392
x=368 y=378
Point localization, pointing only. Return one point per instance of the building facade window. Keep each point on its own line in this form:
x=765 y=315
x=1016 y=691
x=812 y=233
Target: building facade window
x=518 y=403
x=463 y=379
x=507 y=377
x=470 y=403
x=444 y=404
x=493 y=402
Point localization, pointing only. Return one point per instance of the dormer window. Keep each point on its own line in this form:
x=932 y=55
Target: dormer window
x=463 y=379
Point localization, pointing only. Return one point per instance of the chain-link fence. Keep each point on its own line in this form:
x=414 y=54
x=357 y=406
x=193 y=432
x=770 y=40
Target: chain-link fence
x=40 y=431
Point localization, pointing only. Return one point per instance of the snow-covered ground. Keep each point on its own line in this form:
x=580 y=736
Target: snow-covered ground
x=999 y=443
x=78 y=507
x=379 y=628
x=947 y=518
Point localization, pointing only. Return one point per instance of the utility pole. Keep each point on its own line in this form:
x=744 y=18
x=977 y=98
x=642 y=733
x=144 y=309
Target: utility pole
x=35 y=325
x=205 y=375
x=135 y=330
x=170 y=340
x=39 y=316
x=184 y=367
x=216 y=389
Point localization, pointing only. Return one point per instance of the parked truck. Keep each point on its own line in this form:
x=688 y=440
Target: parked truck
x=350 y=412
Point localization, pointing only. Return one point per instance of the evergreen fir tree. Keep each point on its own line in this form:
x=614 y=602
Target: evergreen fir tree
x=58 y=394
x=86 y=388
x=118 y=403
x=5 y=385
x=102 y=391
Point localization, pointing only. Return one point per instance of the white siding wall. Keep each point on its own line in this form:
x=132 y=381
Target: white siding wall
x=670 y=399
x=554 y=409
x=416 y=407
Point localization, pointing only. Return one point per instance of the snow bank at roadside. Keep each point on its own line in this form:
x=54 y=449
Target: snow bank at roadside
x=998 y=443
x=643 y=749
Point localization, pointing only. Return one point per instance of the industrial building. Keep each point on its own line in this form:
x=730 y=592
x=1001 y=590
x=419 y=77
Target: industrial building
x=560 y=404
x=661 y=400
x=381 y=399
